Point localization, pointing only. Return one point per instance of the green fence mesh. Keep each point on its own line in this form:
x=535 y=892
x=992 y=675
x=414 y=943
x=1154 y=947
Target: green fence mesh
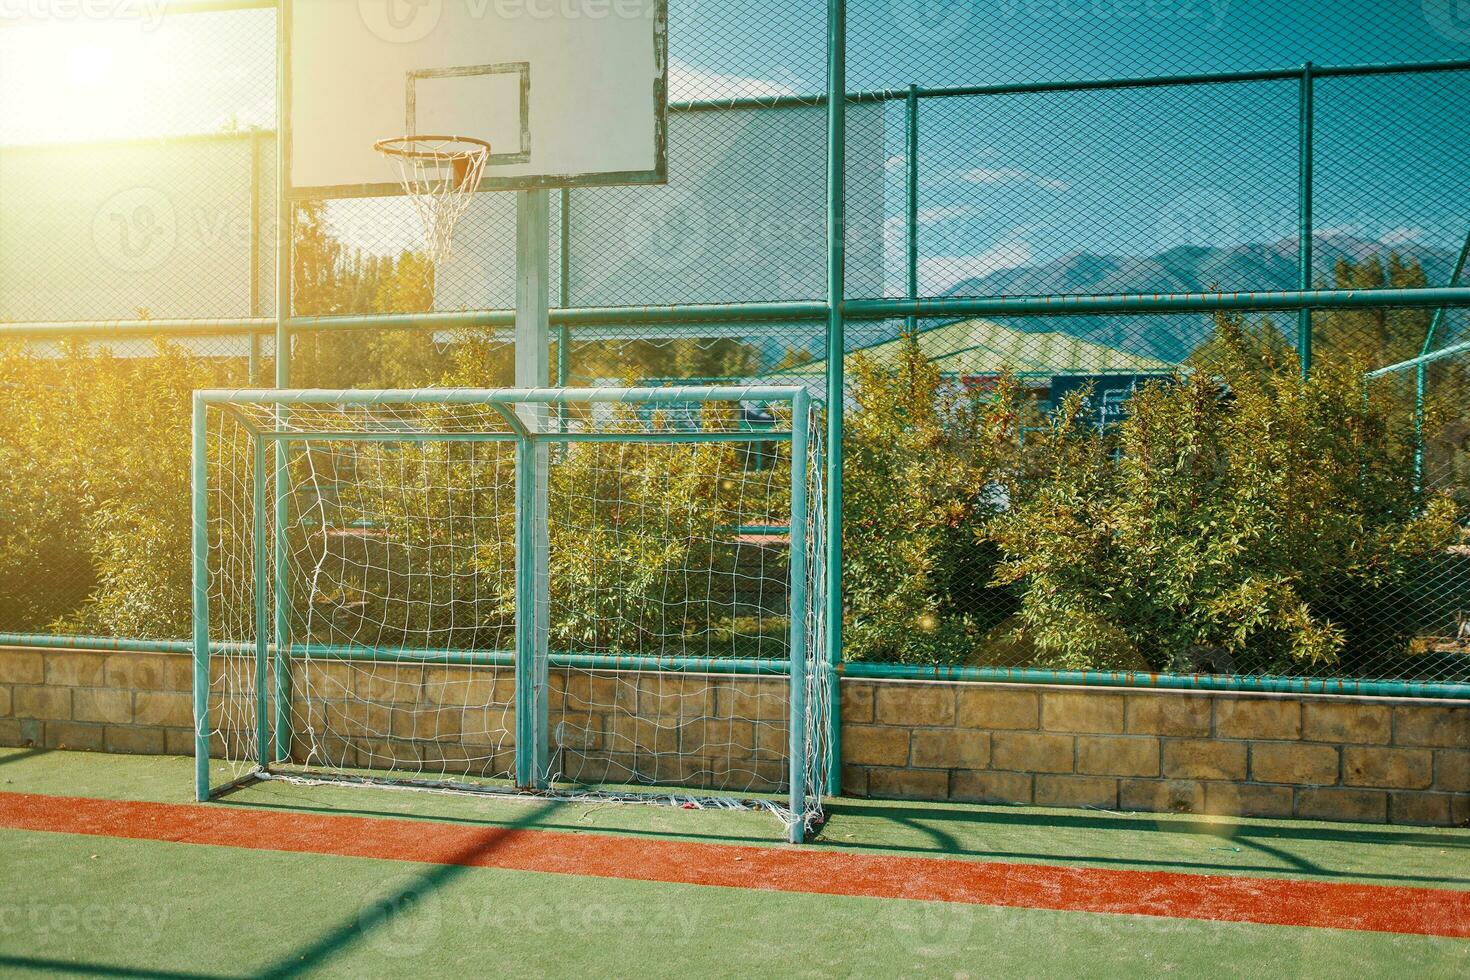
x=1134 y=489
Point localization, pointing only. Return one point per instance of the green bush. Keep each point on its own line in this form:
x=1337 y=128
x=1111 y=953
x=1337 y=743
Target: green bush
x=94 y=472
x=1237 y=519
x=927 y=467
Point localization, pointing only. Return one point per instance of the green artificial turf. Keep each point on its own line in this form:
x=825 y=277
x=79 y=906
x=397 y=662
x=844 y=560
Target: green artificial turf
x=92 y=906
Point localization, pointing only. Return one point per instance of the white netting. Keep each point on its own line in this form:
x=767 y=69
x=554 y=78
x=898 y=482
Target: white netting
x=440 y=175
x=666 y=613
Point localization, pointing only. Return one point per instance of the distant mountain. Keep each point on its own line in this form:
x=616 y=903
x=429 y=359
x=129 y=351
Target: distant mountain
x=1186 y=269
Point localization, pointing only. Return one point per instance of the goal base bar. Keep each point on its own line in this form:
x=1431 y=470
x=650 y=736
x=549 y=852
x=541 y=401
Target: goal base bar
x=674 y=797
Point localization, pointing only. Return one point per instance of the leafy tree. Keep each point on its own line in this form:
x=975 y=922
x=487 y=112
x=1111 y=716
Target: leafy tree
x=1379 y=337
x=94 y=456
x=1260 y=335
x=927 y=467
x=1236 y=520
x=331 y=279
x=635 y=361
x=94 y=469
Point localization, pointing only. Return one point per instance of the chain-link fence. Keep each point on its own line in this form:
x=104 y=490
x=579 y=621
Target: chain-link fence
x=1077 y=441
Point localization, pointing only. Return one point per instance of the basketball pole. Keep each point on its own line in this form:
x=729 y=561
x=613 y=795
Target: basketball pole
x=280 y=691
x=533 y=370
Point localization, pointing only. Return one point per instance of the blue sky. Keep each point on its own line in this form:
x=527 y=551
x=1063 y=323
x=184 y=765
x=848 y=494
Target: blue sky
x=1029 y=178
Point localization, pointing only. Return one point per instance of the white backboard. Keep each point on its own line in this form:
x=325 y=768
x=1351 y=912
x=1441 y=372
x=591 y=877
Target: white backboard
x=568 y=94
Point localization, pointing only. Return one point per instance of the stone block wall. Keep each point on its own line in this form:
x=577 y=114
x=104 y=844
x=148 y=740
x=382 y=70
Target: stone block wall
x=1327 y=758
x=1316 y=757
x=98 y=702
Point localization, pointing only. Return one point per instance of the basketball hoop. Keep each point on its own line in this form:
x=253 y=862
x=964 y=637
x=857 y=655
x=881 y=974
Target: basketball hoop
x=440 y=174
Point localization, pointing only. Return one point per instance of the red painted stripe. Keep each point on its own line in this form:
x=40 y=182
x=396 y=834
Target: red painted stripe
x=1272 y=901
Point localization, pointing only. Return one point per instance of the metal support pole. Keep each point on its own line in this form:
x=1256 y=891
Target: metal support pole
x=200 y=545
x=1304 y=219
x=252 y=369
x=836 y=352
x=262 y=602
x=285 y=231
x=533 y=350
x=281 y=671
x=564 y=291
x=911 y=199
x=800 y=425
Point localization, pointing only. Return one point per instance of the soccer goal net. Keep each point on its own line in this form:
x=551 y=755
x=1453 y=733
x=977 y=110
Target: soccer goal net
x=614 y=593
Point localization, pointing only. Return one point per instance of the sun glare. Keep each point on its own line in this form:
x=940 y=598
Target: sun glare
x=89 y=66
x=76 y=81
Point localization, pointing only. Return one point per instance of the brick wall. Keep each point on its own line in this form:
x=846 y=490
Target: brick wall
x=1330 y=758
x=115 y=702
x=1327 y=758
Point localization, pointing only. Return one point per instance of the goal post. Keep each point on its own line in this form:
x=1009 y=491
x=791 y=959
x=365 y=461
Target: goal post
x=378 y=601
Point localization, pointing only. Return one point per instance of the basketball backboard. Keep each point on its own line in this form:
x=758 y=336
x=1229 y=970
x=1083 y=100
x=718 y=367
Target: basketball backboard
x=569 y=93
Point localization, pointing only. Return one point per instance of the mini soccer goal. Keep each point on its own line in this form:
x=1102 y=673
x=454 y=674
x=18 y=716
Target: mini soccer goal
x=595 y=593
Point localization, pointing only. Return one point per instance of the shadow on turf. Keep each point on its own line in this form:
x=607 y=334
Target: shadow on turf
x=382 y=913
x=36 y=964
x=931 y=821
x=24 y=754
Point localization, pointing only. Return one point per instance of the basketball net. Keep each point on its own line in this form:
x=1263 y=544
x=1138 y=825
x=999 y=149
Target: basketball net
x=440 y=175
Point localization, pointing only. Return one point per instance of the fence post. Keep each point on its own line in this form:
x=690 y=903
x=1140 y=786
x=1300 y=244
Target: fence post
x=836 y=351
x=252 y=370
x=532 y=367
x=911 y=197
x=262 y=601
x=1304 y=218
x=563 y=298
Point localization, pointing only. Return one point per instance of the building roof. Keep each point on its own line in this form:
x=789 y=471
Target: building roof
x=979 y=346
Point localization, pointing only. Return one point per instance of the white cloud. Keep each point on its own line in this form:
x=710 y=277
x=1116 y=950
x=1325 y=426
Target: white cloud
x=896 y=162
x=940 y=273
x=951 y=212
x=1402 y=236
x=895 y=226
x=1013 y=175
x=687 y=84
